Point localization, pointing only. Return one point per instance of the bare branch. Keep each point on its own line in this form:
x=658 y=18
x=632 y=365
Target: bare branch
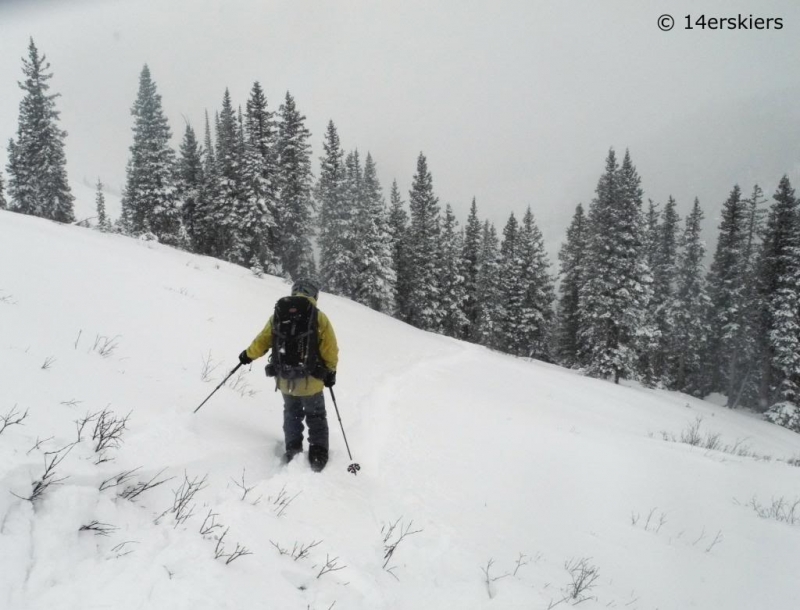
x=330 y=566
x=130 y=493
x=99 y=529
x=12 y=418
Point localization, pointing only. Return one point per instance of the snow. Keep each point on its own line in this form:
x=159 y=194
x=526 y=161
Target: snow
x=490 y=456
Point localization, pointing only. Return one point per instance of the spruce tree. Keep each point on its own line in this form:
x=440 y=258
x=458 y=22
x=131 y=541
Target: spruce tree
x=512 y=291
x=336 y=252
x=664 y=270
x=424 y=293
x=37 y=170
x=617 y=289
x=536 y=321
x=489 y=289
x=473 y=237
x=779 y=289
x=398 y=235
x=451 y=277
x=231 y=193
x=728 y=294
x=3 y=203
x=686 y=312
x=150 y=201
x=257 y=218
x=103 y=224
x=190 y=183
x=375 y=279
x=572 y=257
x=295 y=206
x=207 y=233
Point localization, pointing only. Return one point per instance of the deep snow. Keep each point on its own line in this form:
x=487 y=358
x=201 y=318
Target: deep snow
x=490 y=456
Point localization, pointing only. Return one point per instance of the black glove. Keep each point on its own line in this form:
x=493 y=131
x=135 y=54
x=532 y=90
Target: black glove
x=244 y=358
x=330 y=379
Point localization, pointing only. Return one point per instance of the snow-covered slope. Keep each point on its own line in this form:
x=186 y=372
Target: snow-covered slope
x=489 y=456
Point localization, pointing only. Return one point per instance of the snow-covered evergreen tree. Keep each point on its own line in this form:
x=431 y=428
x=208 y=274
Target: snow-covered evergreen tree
x=664 y=270
x=37 y=169
x=295 y=206
x=150 y=200
x=473 y=238
x=103 y=224
x=572 y=257
x=489 y=288
x=729 y=297
x=3 y=202
x=686 y=312
x=375 y=279
x=512 y=291
x=779 y=289
x=423 y=249
x=335 y=222
x=618 y=286
x=207 y=232
x=231 y=193
x=190 y=183
x=398 y=235
x=451 y=277
x=257 y=200
x=536 y=321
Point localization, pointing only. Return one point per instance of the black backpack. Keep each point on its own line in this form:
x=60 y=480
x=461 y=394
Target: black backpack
x=295 y=340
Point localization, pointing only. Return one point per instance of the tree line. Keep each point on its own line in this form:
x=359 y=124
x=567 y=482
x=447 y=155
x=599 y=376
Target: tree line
x=633 y=299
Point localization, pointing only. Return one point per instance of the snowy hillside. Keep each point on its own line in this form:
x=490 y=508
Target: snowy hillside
x=485 y=456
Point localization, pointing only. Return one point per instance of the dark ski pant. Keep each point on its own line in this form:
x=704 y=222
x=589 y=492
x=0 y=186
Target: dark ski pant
x=313 y=409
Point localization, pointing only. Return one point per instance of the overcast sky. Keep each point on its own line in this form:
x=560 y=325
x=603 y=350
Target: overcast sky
x=513 y=102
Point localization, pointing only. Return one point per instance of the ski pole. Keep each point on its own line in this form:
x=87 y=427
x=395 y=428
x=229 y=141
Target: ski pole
x=236 y=368
x=354 y=467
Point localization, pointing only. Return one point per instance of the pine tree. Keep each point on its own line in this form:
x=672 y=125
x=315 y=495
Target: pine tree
x=473 y=237
x=190 y=183
x=572 y=256
x=37 y=170
x=512 y=291
x=489 y=289
x=207 y=233
x=728 y=295
x=375 y=279
x=663 y=267
x=336 y=252
x=536 y=319
x=150 y=201
x=451 y=277
x=423 y=310
x=617 y=290
x=399 y=235
x=3 y=203
x=686 y=312
x=779 y=289
x=103 y=224
x=231 y=193
x=295 y=206
x=255 y=216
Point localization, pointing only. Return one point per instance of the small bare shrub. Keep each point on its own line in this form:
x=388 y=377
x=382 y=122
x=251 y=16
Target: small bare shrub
x=246 y=489
x=51 y=461
x=12 y=418
x=299 y=550
x=781 y=509
x=134 y=491
x=282 y=501
x=99 y=529
x=583 y=576
x=393 y=535
x=107 y=432
x=7 y=298
x=48 y=362
x=488 y=579
x=208 y=367
x=182 y=506
x=239 y=551
x=331 y=565
x=105 y=346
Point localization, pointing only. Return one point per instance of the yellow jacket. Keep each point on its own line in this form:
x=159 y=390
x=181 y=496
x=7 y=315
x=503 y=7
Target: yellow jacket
x=328 y=351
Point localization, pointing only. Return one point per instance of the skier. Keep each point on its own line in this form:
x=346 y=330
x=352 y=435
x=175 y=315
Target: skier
x=303 y=360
